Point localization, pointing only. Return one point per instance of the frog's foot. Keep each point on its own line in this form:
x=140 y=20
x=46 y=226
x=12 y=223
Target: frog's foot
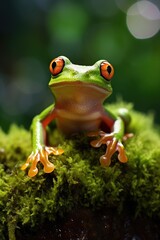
x=42 y=156
x=113 y=145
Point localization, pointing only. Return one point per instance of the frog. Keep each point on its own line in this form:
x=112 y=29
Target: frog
x=79 y=94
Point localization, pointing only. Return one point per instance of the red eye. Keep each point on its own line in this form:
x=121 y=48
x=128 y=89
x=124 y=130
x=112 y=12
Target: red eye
x=56 y=66
x=107 y=71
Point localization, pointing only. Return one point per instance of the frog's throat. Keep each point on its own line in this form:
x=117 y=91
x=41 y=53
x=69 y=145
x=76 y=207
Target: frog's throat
x=79 y=99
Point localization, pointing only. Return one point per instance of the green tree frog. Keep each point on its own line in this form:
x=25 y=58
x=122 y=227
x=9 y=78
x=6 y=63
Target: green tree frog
x=79 y=93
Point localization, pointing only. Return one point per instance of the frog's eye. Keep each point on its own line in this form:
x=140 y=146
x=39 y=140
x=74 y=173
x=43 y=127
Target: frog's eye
x=106 y=69
x=56 y=66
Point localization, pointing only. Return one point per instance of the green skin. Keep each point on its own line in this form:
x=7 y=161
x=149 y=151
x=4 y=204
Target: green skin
x=79 y=93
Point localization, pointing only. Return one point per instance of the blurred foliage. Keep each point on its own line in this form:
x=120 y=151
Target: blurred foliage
x=34 y=32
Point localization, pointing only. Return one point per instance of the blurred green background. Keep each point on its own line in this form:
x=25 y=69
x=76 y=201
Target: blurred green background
x=32 y=33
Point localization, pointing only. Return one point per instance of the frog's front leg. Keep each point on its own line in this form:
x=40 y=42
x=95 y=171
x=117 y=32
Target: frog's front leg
x=113 y=140
x=40 y=151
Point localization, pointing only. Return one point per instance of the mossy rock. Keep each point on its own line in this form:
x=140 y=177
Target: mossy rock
x=78 y=179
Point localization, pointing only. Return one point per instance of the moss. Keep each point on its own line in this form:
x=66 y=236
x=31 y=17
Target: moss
x=78 y=178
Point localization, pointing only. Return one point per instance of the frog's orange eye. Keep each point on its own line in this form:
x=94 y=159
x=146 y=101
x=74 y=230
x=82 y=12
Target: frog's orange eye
x=107 y=71
x=56 y=66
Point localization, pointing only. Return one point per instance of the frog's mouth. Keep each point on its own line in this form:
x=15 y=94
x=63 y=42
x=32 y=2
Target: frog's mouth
x=79 y=86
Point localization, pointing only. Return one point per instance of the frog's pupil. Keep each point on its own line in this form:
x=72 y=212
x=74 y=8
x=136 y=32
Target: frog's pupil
x=109 y=69
x=53 y=65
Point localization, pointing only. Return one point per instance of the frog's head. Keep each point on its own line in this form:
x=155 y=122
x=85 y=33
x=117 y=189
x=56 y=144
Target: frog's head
x=96 y=78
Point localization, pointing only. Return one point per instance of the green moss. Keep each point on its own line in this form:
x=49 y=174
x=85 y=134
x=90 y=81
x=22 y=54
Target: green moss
x=78 y=178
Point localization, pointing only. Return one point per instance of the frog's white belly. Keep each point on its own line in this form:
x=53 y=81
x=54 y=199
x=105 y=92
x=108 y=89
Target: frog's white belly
x=78 y=123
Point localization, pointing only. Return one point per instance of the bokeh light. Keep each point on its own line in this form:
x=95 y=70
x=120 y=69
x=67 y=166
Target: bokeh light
x=143 y=19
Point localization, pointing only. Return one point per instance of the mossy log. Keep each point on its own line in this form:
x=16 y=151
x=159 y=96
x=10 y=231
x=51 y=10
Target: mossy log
x=78 y=179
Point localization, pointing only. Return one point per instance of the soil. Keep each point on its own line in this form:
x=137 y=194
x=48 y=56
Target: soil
x=85 y=224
